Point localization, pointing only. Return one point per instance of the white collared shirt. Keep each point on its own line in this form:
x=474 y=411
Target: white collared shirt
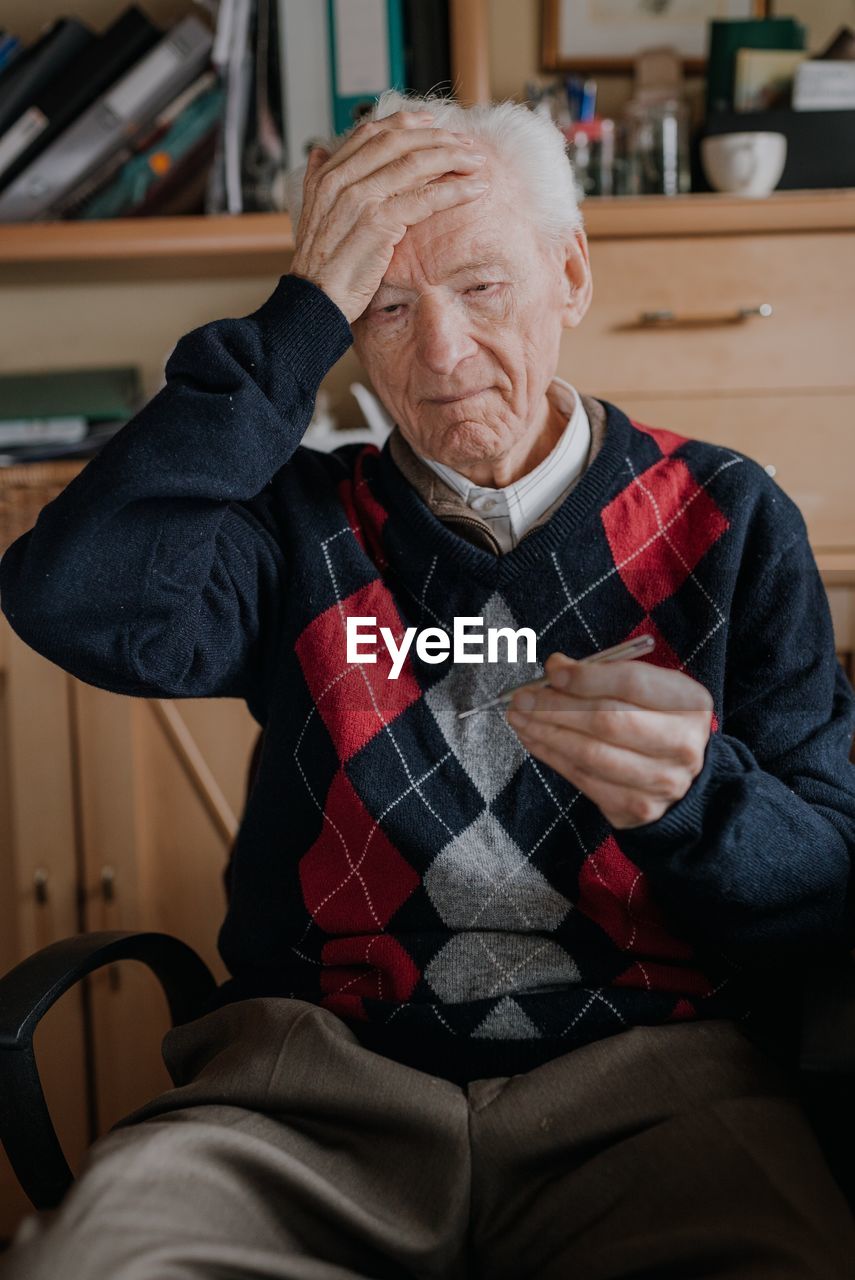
x=511 y=510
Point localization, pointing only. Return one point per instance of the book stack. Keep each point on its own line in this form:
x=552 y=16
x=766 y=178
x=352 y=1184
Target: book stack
x=761 y=78
x=297 y=72
x=10 y=47
x=64 y=413
x=739 y=48
x=76 y=107
x=133 y=121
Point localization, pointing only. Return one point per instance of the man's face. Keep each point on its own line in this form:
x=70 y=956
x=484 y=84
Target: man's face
x=461 y=339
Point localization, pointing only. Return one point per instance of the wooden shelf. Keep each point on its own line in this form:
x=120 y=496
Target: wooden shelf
x=252 y=244
x=258 y=243
x=715 y=214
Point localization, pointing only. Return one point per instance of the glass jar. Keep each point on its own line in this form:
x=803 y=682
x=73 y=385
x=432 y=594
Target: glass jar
x=591 y=151
x=657 y=147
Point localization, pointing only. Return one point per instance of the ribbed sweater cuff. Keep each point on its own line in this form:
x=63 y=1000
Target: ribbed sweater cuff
x=683 y=823
x=302 y=327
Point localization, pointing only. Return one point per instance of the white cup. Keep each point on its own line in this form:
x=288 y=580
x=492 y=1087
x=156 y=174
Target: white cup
x=747 y=164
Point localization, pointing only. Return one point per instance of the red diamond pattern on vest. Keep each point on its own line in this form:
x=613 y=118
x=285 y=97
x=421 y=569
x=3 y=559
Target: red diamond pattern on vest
x=649 y=975
x=353 y=878
x=375 y=966
x=658 y=528
x=355 y=701
x=365 y=515
x=663 y=655
x=615 y=894
x=668 y=441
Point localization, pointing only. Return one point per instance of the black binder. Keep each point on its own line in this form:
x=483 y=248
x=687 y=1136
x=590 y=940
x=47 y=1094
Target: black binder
x=83 y=79
x=12 y=61
x=64 y=40
x=10 y=71
x=427 y=46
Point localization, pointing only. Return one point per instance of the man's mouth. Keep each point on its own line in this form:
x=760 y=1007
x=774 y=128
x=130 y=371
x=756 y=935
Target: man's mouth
x=454 y=399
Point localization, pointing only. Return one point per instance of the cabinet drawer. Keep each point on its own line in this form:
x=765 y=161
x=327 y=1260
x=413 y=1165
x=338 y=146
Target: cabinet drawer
x=806 y=278
x=841 y=601
x=809 y=440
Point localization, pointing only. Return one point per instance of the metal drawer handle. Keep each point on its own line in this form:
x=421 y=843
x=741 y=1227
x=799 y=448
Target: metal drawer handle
x=40 y=885
x=108 y=884
x=669 y=320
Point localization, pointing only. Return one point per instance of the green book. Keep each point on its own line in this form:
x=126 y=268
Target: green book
x=727 y=37
x=101 y=395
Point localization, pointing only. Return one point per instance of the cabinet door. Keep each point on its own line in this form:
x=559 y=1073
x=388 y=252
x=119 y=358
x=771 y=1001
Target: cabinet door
x=162 y=788
x=39 y=846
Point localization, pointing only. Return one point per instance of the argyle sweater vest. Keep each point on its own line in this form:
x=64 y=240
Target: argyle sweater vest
x=461 y=905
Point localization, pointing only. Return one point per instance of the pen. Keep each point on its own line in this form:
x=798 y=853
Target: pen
x=627 y=649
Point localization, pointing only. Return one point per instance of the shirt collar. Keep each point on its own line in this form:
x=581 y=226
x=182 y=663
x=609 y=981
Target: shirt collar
x=512 y=509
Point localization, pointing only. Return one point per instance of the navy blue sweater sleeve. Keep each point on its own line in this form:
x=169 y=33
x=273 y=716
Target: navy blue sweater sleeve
x=157 y=572
x=758 y=854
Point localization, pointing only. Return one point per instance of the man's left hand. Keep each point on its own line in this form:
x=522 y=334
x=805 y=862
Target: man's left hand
x=631 y=736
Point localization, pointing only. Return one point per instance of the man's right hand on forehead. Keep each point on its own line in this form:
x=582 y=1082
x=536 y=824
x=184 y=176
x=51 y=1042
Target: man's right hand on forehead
x=359 y=202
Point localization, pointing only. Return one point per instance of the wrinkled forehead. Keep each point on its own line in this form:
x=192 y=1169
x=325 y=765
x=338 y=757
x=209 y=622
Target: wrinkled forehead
x=495 y=227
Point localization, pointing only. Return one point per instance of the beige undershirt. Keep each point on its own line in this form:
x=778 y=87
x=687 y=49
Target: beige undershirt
x=447 y=505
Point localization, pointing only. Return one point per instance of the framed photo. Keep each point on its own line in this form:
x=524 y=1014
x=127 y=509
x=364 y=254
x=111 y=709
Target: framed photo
x=605 y=35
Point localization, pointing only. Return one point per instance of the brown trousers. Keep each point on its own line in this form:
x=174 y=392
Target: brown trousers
x=289 y=1150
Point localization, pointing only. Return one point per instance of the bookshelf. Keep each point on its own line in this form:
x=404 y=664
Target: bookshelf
x=242 y=245
x=213 y=248
x=258 y=243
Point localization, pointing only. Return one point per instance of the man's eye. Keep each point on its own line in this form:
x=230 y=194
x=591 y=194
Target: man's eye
x=482 y=288
x=392 y=308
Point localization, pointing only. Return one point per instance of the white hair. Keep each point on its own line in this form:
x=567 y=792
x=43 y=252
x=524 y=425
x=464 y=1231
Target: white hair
x=532 y=146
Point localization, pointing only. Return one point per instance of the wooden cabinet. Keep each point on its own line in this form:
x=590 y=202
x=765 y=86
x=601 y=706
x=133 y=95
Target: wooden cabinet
x=117 y=813
x=38 y=879
x=672 y=337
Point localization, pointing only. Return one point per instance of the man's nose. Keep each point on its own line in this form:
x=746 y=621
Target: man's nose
x=443 y=335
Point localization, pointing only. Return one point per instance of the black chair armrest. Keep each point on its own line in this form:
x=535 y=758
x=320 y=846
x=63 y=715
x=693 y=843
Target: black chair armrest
x=26 y=994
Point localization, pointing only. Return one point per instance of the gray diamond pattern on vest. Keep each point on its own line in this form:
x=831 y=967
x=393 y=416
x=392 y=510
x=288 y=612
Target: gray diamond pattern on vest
x=506 y=1021
x=482 y=880
x=475 y=966
x=484 y=744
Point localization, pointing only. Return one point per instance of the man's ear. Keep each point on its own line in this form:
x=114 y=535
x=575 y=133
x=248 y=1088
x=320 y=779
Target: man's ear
x=577 y=282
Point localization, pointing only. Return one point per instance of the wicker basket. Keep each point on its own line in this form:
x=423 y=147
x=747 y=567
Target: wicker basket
x=25 y=489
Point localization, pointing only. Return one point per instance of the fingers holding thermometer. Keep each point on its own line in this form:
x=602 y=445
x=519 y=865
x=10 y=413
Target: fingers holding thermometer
x=630 y=736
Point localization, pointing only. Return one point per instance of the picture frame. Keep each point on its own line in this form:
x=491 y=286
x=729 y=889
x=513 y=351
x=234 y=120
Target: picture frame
x=605 y=35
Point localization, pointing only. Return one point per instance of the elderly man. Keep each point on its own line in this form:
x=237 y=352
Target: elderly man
x=493 y=977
